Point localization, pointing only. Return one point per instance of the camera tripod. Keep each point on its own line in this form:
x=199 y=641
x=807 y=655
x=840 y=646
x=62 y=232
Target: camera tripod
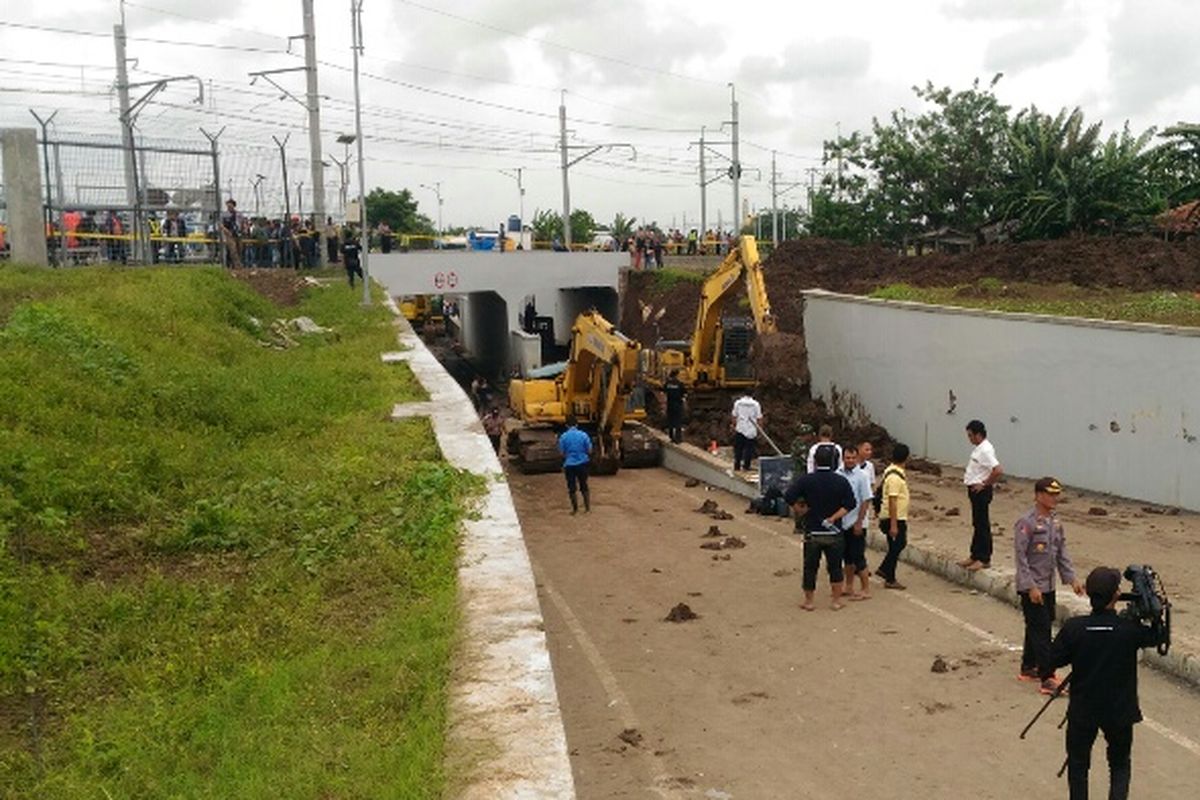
x=1058 y=691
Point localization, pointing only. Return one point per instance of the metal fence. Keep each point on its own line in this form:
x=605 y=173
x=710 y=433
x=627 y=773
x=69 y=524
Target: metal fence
x=105 y=202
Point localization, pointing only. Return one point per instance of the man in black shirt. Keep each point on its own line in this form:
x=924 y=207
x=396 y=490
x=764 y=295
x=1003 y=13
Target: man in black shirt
x=675 y=392
x=827 y=497
x=350 y=251
x=1102 y=649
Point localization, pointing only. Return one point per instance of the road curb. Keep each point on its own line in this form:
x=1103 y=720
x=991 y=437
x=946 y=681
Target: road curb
x=506 y=736
x=692 y=462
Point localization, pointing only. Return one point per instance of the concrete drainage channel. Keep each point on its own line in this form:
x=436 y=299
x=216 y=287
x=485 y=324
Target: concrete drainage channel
x=506 y=731
x=692 y=462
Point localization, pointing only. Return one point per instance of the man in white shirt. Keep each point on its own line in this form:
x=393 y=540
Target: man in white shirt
x=747 y=418
x=855 y=555
x=982 y=472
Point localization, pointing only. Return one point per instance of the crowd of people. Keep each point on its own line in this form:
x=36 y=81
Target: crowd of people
x=833 y=498
x=647 y=245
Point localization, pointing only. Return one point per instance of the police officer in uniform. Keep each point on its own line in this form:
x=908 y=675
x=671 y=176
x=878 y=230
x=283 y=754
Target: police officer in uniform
x=674 y=391
x=1102 y=649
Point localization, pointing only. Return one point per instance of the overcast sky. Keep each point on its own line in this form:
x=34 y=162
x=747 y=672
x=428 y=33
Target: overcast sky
x=462 y=89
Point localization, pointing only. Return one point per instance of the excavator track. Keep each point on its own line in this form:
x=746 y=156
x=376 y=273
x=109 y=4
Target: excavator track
x=535 y=451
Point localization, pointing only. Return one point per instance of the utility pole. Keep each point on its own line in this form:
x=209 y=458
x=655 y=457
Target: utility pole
x=736 y=168
x=562 y=130
x=48 y=211
x=703 y=190
x=568 y=163
x=287 y=198
x=314 y=120
x=437 y=190
x=774 y=210
x=516 y=175
x=256 y=185
x=365 y=240
x=123 y=100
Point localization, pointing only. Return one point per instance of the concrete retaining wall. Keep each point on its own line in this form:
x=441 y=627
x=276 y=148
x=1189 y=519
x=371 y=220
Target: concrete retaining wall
x=506 y=731
x=1110 y=407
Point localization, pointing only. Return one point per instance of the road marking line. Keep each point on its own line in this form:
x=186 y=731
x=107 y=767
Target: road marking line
x=1174 y=736
x=608 y=680
x=996 y=641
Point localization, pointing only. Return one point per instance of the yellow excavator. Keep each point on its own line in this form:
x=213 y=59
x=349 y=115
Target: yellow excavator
x=600 y=385
x=420 y=309
x=718 y=354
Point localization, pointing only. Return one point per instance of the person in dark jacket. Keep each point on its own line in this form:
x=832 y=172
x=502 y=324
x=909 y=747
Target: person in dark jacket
x=1102 y=649
x=675 y=393
x=827 y=497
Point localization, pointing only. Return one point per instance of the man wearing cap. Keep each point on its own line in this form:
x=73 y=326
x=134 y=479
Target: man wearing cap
x=982 y=472
x=804 y=439
x=1040 y=548
x=1102 y=649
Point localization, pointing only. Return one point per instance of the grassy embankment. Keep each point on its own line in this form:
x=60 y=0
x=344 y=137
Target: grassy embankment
x=223 y=572
x=1066 y=300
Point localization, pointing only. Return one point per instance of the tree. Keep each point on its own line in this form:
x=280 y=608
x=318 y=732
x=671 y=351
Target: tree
x=546 y=226
x=583 y=227
x=622 y=227
x=399 y=210
x=1062 y=179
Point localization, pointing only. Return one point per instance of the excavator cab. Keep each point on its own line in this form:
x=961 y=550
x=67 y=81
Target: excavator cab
x=717 y=356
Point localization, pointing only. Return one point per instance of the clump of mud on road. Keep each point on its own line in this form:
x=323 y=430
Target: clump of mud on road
x=681 y=613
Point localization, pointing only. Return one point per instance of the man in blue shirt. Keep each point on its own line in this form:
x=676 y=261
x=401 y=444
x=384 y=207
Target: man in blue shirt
x=576 y=448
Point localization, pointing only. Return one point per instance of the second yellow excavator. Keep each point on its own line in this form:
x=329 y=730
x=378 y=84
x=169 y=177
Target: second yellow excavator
x=718 y=354
x=600 y=385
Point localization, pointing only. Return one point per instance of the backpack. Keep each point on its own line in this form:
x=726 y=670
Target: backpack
x=877 y=498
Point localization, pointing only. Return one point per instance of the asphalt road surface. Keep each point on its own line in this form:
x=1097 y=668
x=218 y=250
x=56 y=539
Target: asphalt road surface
x=757 y=698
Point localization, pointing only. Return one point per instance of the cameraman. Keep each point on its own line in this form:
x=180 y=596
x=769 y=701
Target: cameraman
x=1102 y=649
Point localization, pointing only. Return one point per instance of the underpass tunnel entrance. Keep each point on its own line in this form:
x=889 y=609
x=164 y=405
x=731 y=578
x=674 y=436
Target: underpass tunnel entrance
x=573 y=302
x=485 y=332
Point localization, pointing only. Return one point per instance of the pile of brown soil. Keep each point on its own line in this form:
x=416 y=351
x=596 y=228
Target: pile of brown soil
x=284 y=287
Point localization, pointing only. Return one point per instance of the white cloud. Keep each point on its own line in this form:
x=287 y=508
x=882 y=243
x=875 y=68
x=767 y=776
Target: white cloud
x=1153 y=53
x=1030 y=47
x=991 y=10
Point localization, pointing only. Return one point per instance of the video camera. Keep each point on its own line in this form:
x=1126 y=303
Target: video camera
x=1148 y=602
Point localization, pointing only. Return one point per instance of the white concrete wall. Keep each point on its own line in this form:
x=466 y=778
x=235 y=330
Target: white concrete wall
x=1111 y=407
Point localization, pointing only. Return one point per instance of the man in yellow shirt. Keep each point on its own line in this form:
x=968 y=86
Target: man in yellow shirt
x=893 y=514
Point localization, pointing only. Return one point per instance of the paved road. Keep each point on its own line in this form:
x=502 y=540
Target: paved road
x=759 y=699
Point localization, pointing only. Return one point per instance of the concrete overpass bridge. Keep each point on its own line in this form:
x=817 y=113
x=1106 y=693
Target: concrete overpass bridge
x=492 y=291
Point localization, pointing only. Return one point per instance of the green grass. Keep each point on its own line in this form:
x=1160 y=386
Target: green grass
x=223 y=571
x=1065 y=300
x=670 y=277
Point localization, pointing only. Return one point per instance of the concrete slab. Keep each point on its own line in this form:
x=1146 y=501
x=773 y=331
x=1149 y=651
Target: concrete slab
x=506 y=731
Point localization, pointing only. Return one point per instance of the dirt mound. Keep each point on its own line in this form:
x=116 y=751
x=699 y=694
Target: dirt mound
x=1137 y=263
x=284 y=287
x=781 y=359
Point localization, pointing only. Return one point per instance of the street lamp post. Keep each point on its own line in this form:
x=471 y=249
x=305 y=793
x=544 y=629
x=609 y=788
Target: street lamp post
x=365 y=241
x=437 y=190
